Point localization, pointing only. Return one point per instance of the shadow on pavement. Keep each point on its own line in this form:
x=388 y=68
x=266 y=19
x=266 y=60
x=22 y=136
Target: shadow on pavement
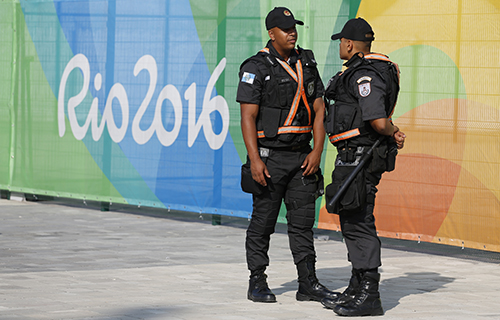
x=392 y=290
x=410 y=284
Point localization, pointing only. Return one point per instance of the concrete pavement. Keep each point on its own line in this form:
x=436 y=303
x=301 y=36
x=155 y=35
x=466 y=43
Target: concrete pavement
x=72 y=262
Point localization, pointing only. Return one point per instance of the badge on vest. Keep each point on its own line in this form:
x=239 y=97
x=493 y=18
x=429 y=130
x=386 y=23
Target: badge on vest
x=248 y=77
x=365 y=89
x=310 y=88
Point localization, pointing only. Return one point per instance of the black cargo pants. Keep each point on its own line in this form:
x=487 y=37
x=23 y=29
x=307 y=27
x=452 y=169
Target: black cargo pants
x=288 y=184
x=359 y=231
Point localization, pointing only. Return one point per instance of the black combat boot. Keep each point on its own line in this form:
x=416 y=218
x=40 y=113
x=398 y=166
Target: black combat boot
x=258 y=290
x=348 y=293
x=367 y=301
x=309 y=287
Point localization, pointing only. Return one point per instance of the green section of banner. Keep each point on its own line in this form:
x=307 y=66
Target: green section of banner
x=7 y=47
x=43 y=161
x=38 y=163
x=442 y=77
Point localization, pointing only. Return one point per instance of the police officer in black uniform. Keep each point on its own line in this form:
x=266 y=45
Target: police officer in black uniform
x=360 y=101
x=280 y=92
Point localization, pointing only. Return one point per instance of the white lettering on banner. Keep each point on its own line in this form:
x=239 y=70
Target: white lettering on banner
x=166 y=138
x=118 y=92
x=217 y=103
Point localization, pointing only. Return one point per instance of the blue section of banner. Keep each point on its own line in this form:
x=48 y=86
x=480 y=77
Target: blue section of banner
x=114 y=36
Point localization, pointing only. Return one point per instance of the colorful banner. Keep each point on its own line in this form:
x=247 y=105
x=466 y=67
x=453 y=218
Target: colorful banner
x=446 y=187
x=133 y=102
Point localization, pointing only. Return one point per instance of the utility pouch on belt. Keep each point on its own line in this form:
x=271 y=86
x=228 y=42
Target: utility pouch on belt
x=378 y=162
x=391 y=156
x=350 y=155
x=383 y=159
x=248 y=184
x=354 y=198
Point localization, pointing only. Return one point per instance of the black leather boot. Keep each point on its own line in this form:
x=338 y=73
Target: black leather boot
x=258 y=290
x=309 y=287
x=367 y=301
x=348 y=293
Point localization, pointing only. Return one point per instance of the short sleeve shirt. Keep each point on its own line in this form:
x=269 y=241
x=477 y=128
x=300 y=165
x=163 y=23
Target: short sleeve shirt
x=251 y=83
x=370 y=90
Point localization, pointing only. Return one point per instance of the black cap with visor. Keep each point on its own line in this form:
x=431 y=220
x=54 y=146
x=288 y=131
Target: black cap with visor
x=282 y=18
x=356 y=29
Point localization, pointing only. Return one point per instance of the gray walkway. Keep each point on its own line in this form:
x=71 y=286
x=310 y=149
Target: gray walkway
x=63 y=262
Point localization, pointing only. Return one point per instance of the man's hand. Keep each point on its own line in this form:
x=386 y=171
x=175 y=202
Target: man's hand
x=399 y=137
x=259 y=171
x=311 y=163
x=385 y=127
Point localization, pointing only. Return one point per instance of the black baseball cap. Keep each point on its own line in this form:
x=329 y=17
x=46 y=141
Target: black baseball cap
x=282 y=18
x=356 y=29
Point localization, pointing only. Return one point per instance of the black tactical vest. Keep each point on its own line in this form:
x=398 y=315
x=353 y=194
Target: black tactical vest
x=286 y=115
x=344 y=122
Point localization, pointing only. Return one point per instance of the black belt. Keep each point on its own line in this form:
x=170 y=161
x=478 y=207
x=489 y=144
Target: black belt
x=299 y=147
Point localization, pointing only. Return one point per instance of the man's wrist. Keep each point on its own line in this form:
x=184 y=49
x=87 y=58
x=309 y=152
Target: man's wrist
x=253 y=155
x=317 y=150
x=395 y=129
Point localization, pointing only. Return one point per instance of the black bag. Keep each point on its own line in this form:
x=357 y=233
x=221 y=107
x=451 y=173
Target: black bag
x=248 y=184
x=384 y=158
x=378 y=162
x=354 y=198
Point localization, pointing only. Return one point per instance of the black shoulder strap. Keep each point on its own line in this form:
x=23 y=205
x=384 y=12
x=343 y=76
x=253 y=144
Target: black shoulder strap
x=307 y=57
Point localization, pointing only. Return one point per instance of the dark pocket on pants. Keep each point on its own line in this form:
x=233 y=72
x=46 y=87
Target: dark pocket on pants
x=354 y=197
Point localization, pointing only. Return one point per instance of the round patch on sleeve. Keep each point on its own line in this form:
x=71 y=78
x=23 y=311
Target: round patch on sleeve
x=364 y=89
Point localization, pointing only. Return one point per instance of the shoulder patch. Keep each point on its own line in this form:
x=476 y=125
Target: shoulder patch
x=248 y=77
x=365 y=78
x=365 y=89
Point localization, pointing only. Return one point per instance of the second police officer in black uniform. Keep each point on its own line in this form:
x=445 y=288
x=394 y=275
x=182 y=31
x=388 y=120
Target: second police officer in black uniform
x=360 y=101
x=280 y=92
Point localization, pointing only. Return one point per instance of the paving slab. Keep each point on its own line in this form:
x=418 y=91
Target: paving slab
x=60 y=261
